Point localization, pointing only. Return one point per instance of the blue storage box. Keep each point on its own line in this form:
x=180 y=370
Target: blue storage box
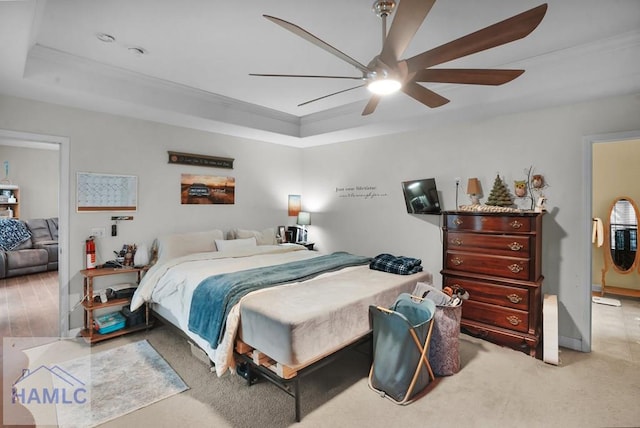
x=109 y=323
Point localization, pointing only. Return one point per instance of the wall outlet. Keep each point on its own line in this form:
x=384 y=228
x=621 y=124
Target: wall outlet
x=457 y=179
x=98 y=232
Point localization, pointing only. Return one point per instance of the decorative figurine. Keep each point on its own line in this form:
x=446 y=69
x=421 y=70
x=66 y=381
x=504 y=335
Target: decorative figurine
x=499 y=195
x=520 y=188
x=537 y=181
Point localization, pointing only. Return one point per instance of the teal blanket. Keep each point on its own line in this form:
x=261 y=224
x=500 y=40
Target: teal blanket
x=214 y=297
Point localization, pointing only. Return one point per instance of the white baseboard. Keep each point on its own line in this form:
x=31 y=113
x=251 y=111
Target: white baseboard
x=572 y=343
x=74 y=332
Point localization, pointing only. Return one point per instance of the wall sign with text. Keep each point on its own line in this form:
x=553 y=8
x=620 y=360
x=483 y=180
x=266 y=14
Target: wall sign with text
x=360 y=192
x=200 y=160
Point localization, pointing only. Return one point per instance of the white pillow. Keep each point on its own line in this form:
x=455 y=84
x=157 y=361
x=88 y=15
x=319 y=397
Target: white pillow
x=232 y=244
x=266 y=237
x=182 y=244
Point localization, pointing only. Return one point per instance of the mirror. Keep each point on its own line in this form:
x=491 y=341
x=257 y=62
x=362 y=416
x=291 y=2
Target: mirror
x=623 y=234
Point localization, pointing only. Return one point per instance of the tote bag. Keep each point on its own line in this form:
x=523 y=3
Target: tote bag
x=444 y=350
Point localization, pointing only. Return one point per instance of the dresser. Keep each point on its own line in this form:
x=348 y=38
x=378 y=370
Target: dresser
x=496 y=257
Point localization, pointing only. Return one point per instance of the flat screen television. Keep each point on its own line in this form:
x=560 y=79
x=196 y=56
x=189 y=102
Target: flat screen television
x=421 y=196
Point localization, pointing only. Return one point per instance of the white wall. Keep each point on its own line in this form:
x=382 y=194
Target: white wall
x=36 y=172
x=265 y=174
x=550 y=140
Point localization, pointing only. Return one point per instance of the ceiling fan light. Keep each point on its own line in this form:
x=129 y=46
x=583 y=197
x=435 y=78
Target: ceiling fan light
x=384 y=86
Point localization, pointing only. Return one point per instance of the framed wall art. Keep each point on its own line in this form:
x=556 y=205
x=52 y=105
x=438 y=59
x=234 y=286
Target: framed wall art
x=207 y=189
x=295 y=205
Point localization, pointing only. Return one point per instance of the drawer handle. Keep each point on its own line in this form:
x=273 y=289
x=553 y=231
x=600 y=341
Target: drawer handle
x=514 y=298
x=516 y=246
x=457 y=261
x=515 y=224
x=457 y=221
x=456 y=241
x=515 y=268
x=514 y=320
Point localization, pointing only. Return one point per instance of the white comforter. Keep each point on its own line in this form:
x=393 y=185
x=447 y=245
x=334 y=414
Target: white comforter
x=171 y=285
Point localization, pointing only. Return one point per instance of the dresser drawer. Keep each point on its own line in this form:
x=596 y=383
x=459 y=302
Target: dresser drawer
x=506 y=245
x=499 y=316
x=504 y=267
x=488 y=223
x=487 y=292
x=515 y=340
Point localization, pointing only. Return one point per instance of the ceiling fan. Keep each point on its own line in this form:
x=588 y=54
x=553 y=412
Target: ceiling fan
x=387 y=73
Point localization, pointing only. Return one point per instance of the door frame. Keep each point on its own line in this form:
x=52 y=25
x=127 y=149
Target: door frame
x=63 y=216
x=589 y=141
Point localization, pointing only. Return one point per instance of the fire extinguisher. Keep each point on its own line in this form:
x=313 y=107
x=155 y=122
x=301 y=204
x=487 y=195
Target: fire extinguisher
x=90 y=250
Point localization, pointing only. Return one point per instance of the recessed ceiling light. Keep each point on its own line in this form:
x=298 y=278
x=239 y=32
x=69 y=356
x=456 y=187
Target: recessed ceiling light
x=104 y=37
x=137 y=51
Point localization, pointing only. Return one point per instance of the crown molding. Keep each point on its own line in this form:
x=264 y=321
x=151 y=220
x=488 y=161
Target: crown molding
x=563 y=76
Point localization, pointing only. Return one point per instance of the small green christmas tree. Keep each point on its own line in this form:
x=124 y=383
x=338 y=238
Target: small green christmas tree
x=499 y=195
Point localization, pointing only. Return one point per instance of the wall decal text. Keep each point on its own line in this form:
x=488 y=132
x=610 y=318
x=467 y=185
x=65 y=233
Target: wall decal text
x=361 y=192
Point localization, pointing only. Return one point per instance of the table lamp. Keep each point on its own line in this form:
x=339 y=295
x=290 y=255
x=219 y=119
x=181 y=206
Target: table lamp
x=304 y=219
x=474 y=190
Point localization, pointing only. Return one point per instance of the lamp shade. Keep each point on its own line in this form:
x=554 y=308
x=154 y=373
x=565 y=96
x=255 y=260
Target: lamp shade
x=473 y=187
x=304 y=218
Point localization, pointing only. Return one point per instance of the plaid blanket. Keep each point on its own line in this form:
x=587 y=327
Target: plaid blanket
x=396 y=264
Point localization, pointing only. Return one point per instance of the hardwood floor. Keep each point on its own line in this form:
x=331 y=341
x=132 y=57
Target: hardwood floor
x=29 y=305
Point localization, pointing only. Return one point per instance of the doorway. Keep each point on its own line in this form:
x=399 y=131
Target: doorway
x=61 y=144
x=599 y=194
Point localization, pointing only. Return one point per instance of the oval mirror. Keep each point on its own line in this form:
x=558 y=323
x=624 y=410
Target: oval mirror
x=623 y=234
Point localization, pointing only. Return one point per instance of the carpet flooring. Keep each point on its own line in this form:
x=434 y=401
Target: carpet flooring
x=95 y=387
x=495 y=387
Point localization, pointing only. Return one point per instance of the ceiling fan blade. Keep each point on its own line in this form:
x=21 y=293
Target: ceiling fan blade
x=305 y=75
x=301 y=32
x=371 y=105
x=408 y=17
x=468 y=76
x=503 y=32
x=330 y=95
x=424 y=95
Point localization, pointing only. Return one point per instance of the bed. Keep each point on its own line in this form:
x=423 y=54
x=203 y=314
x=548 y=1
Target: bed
x=284 y=328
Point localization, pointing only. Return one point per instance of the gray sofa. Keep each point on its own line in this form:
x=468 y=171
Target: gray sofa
x=37 y=254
